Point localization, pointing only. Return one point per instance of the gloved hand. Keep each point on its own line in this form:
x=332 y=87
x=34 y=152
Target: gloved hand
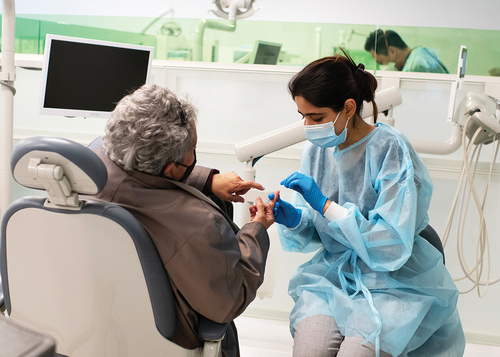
x=307 y=187
x=285 y=213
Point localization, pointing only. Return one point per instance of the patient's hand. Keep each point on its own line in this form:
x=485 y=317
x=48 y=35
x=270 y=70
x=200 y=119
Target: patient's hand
x=230 y=187
x=263 y=212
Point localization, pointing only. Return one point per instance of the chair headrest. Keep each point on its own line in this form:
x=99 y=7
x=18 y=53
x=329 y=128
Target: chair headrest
x=37 y=162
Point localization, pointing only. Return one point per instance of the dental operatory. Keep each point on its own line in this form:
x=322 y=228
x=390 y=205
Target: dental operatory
x=249 y=178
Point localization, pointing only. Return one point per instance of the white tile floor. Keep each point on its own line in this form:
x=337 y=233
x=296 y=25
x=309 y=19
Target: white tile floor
x=271 y=338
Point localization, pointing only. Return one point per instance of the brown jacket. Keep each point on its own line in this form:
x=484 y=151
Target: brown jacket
x=214 y=271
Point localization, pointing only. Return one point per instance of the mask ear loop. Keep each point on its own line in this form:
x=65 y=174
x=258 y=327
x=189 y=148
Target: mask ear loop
x=347 y=122
x=337 y=117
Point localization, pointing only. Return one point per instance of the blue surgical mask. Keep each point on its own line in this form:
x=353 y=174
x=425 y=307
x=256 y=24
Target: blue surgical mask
x=323 y=135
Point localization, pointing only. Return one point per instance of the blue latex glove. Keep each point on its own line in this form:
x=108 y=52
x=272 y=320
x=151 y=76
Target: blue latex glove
x=285 y=213
x=307 y=187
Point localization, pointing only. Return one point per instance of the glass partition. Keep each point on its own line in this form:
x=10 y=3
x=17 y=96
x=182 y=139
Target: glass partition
x=442 y=44
x=228 y=42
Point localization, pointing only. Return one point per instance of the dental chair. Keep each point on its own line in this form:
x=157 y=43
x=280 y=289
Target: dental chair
x=85 y=272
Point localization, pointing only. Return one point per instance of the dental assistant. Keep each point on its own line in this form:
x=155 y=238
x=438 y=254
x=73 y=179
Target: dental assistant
x=388 y=47
x=375 y=286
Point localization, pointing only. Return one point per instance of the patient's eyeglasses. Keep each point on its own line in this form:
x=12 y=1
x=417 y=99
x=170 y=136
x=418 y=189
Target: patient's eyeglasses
x=183 y=116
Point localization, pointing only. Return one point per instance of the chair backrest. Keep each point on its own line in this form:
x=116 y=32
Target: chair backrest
x=430 y=235
x=84 y=272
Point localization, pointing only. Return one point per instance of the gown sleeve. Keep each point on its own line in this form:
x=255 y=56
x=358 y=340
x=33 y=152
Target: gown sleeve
x=383 y=237
x=304 y=238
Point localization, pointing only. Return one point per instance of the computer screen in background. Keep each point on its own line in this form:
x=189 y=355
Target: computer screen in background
x=86 y=78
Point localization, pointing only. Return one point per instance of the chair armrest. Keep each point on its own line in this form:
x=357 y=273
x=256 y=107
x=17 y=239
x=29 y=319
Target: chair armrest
x=210 y=330
x=17 y=341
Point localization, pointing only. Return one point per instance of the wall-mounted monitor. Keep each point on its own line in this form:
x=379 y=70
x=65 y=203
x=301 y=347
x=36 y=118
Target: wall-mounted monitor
x=262 y=53
x=265 y=53
x=86 y=78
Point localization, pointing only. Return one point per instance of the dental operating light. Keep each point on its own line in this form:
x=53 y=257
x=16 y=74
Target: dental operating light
x=243 y=8
x=236 y=9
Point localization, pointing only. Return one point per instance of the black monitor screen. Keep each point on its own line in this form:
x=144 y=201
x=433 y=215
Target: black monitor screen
x=266 y=53
x=87 y=78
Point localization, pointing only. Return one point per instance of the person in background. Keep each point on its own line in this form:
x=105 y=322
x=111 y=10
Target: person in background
x=387 y=46
x=375 y=287
x=215 y=268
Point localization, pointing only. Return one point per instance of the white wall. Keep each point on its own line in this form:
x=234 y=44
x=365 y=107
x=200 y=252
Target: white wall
x=480 y=14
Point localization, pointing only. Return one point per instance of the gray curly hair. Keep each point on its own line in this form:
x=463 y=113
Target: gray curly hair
x=148 y=129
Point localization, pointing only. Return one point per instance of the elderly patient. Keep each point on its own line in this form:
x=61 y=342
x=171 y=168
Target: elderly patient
x=215 y=268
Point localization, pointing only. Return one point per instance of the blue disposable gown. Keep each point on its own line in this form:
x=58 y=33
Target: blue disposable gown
x=422 y=59
x=373 y=273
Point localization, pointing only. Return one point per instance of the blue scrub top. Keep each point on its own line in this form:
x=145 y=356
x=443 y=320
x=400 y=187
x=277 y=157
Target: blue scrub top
x=422 y=59
x=373 y=272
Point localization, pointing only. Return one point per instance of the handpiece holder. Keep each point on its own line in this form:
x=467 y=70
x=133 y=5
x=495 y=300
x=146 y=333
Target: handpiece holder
x=457 y=84
x=483 y=110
